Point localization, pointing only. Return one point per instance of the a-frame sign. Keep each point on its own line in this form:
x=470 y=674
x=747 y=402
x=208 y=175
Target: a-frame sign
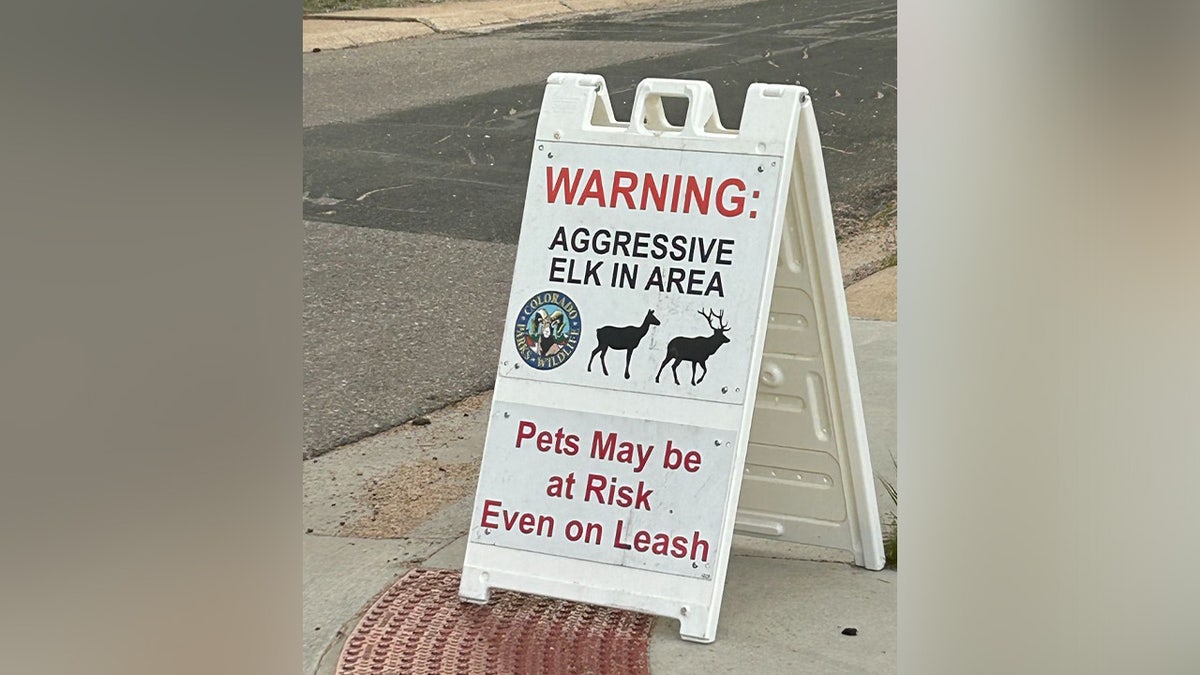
x=677 y=340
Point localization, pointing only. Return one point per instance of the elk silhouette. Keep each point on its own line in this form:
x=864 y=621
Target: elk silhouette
x=623 y=337
x=696 y=349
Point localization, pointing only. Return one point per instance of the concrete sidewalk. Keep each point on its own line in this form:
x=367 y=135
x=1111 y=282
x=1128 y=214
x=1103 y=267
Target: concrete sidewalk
x=355 y=28
x=402 y=499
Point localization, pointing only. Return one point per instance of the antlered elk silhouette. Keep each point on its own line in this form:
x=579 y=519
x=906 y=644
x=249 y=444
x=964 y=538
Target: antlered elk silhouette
x=696 y=349
x=624 y=337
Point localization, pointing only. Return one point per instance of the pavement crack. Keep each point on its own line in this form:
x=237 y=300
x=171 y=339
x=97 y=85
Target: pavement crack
x=382 y=189
x=442 y=548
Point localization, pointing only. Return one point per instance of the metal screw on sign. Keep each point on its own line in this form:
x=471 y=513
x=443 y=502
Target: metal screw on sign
x=541 y=147
x=550 y=155
x=506 y=415
x=760 y=169
x=724 y=390
x=557 y=135
x=683 y=611
x=717 y=443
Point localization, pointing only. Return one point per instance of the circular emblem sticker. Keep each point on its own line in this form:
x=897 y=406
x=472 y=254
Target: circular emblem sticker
x=547 y=330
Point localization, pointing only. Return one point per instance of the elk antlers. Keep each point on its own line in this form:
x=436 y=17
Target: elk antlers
x=720 y=317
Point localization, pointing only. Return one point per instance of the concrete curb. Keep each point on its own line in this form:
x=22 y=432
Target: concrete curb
x=326 y=34
x=354 y=28
x=874 y=297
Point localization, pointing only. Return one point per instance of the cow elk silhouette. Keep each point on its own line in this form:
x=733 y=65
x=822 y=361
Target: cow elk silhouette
x=696 y=349
x=623 y=337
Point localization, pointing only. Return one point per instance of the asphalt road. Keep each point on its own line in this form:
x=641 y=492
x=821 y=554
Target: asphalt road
x=416 y=155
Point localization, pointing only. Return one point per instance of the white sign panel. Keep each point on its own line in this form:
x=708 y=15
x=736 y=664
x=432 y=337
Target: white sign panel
x=615 y=490
x=631 y=361
x=645 y=267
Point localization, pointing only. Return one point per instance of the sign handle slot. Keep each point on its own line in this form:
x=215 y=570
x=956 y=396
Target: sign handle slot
x=702 y=120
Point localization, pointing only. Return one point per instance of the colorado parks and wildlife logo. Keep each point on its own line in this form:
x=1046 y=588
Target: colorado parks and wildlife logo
x=547 y=330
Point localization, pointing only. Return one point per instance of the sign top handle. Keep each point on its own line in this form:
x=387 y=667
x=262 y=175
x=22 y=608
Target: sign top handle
x=648 y=116
x=577 y=108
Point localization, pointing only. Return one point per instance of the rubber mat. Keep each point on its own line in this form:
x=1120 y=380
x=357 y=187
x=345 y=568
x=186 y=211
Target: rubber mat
x=420 y=626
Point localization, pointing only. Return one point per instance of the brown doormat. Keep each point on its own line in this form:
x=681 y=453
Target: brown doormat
x=420 y=626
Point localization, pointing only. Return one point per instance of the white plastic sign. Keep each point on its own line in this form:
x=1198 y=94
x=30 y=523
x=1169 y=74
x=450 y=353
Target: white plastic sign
x=630 y=367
